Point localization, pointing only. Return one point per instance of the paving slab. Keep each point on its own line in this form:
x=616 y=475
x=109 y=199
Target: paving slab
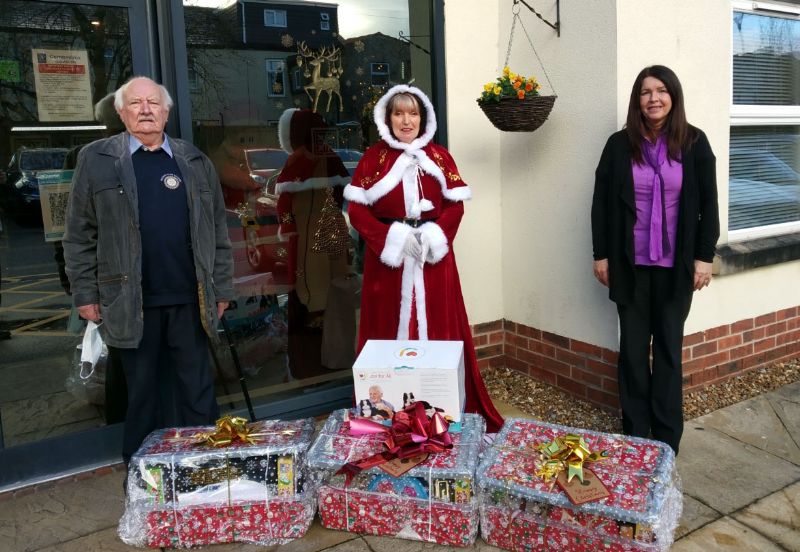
x=789 y=414
x=776 y=516
x=695 y=514
x=60 y=514
x=790 y=392
x=726 y=474
x=105 y=540
x=391 y=544
x=756 y=423
x=724 y=535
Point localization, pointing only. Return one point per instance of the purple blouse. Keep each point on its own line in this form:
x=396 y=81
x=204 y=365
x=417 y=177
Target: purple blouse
x=648 y=235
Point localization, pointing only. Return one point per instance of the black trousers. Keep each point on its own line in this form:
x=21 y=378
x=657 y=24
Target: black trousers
x=651 y=396
x=170 y=370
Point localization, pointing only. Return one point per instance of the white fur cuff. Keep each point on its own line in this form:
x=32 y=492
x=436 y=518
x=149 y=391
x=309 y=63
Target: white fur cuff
x=392 y=254
x=355 y=194
x=436 y=240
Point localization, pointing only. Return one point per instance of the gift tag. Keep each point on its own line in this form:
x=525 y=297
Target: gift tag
x=399 y=466
x=581 y=492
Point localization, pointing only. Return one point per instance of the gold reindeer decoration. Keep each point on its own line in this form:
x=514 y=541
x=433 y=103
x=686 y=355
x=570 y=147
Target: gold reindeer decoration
x=319 y=84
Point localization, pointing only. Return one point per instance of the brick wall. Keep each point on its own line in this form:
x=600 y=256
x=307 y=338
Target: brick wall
x=590 y=372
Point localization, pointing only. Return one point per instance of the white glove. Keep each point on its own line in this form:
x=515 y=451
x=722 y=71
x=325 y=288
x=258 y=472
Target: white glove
x=423 y=241
x=412 y=247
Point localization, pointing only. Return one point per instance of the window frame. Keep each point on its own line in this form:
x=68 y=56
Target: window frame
x=270 y=81
x=274 y=13
x=761 y=115
x=386 y=73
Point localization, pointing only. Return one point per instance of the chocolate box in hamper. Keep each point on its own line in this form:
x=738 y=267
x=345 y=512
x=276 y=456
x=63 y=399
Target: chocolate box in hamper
x=432 y=502
x=183 y=491
x=520 y=511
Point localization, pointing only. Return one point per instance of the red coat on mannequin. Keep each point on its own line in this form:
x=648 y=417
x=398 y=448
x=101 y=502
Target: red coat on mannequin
x=402 y=298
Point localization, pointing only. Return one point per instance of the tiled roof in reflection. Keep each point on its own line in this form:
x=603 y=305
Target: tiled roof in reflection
x=211 y=26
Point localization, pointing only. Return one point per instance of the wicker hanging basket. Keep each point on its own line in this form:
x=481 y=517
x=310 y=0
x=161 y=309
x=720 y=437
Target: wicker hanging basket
x=514 y=115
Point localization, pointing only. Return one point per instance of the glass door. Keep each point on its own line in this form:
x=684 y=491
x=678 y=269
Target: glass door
x=298 y=263
x=58 y=60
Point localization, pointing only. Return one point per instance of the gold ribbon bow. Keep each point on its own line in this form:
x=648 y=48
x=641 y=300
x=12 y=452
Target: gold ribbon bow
x=228 y=429
x=569 y=453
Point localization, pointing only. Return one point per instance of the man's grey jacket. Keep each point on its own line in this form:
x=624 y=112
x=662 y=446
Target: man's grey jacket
x=102 y=243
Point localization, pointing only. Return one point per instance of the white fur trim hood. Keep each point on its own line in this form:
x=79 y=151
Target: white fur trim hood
x=413 y=158
x=284 y=130
x=379 y=116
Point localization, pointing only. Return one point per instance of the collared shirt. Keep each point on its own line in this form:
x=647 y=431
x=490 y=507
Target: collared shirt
x=134 y=144
x=645 y=184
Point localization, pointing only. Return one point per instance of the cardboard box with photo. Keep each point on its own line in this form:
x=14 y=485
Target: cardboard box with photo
x=390 y=375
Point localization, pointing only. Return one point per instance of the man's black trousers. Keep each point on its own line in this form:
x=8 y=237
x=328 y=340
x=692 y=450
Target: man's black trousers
x=171 y=365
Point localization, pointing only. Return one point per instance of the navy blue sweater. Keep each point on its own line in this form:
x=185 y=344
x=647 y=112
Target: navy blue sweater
x=168 y=274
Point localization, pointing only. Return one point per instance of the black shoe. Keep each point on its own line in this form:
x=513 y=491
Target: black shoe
x=5 y=334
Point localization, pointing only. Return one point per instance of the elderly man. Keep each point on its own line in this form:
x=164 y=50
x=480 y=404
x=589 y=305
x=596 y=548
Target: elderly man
x=149 y=260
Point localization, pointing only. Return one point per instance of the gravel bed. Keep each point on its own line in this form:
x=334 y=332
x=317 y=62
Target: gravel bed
x=545 y=402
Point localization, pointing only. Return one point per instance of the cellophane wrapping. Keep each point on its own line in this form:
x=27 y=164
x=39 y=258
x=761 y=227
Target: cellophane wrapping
x=519 y=511
x=181 y=493
x=432 y=502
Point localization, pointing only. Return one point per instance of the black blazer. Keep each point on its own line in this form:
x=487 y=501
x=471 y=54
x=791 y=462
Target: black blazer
x=614 y=214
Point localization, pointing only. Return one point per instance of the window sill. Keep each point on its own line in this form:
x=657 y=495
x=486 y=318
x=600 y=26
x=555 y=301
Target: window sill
x=746 y=255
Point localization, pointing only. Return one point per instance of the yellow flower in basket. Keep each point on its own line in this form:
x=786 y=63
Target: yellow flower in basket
x=509 y=85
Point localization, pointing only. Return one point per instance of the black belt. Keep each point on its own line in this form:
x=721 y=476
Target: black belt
x=414 y=223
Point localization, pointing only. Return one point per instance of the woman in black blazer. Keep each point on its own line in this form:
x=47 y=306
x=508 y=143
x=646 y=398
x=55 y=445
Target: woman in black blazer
x=655 y=225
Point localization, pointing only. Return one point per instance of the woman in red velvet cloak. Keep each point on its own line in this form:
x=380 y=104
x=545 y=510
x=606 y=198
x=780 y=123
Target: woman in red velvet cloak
x=406 y=202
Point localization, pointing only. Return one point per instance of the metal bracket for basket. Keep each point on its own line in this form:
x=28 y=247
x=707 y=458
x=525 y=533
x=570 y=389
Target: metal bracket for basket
x=555 y=26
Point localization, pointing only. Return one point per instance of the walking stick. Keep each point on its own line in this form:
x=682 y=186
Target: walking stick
x=238 y=365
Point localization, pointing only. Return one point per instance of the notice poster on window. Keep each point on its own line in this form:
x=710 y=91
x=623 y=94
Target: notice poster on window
x=63 y=90
x=54 y=188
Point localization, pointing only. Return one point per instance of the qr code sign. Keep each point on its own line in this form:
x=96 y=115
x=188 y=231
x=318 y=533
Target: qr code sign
x=58 y=208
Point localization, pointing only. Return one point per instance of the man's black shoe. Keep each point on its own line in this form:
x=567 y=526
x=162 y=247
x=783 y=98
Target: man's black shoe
x=5 y=334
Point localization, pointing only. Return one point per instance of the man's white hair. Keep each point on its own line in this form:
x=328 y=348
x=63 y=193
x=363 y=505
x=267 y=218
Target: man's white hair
x=119 y=95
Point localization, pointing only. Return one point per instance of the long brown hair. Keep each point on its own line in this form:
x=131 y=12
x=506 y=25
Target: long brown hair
x=677 y=131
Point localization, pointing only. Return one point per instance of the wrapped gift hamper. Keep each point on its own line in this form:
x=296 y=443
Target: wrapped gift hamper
x=433 y=501
x=550 y=487
x=236 y=482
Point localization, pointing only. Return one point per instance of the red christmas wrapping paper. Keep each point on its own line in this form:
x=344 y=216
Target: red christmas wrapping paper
x=279 y=521
x=235 y=482
x=432 y=502
x=395 y=516
x=520 y=511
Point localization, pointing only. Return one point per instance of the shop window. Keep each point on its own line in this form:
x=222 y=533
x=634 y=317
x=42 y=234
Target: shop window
x=275 y=18
x=380 y=74
x=194 y=77
x=297 y=80
x=764 y=184
x=324 y=22
x=275 y=78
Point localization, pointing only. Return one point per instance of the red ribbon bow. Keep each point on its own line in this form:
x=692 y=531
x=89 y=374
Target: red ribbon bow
x=412 y=432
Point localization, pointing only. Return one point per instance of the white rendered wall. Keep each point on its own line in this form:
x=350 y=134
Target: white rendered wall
x=471 y=48
x=524 y=248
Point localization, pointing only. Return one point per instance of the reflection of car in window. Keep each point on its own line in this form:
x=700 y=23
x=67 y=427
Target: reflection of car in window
x=20 y=194
x=350 y=158
x=763 y=190
x=252 y=218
